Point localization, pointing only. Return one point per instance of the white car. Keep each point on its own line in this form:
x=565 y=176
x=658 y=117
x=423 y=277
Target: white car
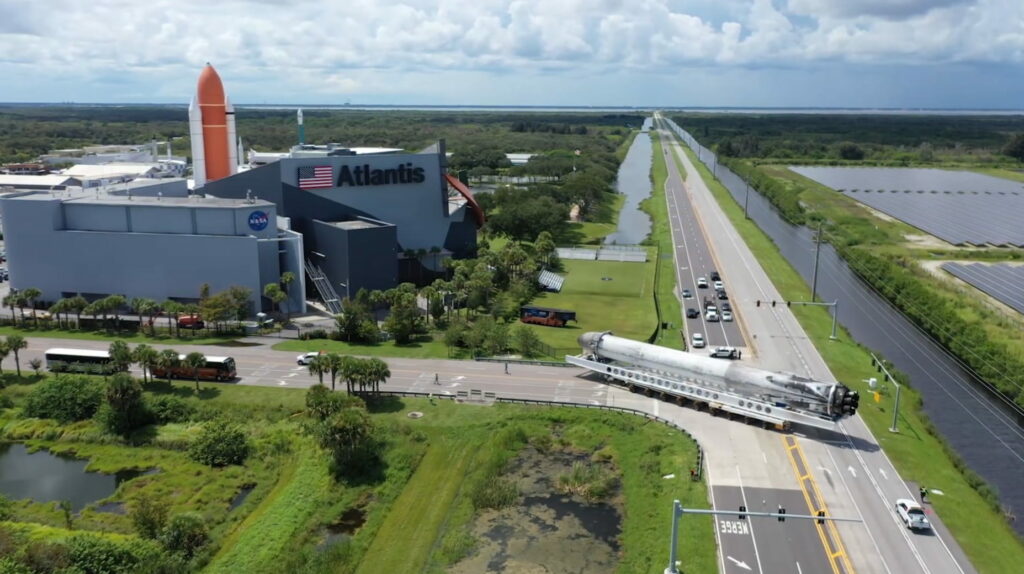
x=726 y=316
x=711 y=316
x=719 y=285
x=912 y=514
x=697 y=341
x=306 y=358
x=702 y=283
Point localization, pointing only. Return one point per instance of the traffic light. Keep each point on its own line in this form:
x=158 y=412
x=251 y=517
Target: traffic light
x=782 y=512
x=821 y=513
x=743 y=512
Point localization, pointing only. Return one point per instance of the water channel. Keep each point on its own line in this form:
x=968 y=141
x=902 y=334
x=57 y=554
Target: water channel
x=980 y=428
x=46 y=477
x=634 y=181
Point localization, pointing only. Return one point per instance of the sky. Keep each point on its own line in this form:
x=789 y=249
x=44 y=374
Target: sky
x=958 y=54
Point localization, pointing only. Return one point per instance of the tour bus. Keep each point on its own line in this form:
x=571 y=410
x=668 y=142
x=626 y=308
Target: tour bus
x=215 y=369
x=546 y=316
x=76 y=360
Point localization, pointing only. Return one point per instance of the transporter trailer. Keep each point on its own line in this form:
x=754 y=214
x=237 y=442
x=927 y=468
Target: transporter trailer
x=775 y=398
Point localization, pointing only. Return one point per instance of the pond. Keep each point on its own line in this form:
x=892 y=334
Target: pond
x=634 y=181
x=46 y=477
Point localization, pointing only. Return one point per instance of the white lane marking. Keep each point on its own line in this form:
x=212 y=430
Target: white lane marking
x=881 y=471
x=281 y=383
x=739 y=563
x=799 y=570
x=853 y=499
x=743 y=494
x=458 y=378
x=853 y=472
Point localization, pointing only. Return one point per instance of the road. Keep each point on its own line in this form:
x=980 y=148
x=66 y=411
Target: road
x=693 y=254
x=847 y=470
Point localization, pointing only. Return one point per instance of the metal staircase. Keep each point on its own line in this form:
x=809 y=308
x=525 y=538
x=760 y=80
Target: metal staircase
x=323 y=286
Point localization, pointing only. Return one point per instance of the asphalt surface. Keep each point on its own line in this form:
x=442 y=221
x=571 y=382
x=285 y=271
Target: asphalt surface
x=694 y=259
x=845 y=471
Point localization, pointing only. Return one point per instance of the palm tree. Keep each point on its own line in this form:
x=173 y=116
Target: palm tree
x=136 y=304
x=145 y=356
x=77 y=304
x=287 y=278
x=350 y=372
x=173 y=309
x=149 y=308
x=11 y=300
x=21 y=301
x=318 y=366
x=31 y=294
x=121 y=356
x=114 y=305
x=195 y=361
x=377 y=372
x=16 y=343
x=335 y=363
x=273 y=292
x=166 y=361
x=57 y=308
x=4 y=351
x=92 y=309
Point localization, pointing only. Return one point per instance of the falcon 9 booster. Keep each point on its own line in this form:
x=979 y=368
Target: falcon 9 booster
x=211 y=119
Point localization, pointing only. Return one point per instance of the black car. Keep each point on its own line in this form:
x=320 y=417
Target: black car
x=692 y=313
x=715 y=276
x=726 y=306
x=722 y=295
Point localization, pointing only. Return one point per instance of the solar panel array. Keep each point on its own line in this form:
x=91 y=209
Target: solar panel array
x=551 y=281
x=958 y=207
x=1001 y=281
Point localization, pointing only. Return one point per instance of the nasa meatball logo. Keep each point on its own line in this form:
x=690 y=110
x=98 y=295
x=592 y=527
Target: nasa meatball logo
x=258 y=221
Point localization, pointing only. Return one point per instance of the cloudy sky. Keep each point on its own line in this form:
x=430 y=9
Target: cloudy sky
x=770 y=53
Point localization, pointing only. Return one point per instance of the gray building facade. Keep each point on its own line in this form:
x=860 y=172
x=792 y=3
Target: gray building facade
x=369 y=221
x=153 y=247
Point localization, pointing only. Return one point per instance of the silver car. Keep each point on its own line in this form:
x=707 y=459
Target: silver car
x=912 y=514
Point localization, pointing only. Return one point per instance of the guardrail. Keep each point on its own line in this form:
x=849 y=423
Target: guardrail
x=523 y=362
x=475 y=393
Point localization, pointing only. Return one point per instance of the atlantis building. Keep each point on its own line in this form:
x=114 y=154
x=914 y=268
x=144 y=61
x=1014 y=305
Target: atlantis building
x=340 y=219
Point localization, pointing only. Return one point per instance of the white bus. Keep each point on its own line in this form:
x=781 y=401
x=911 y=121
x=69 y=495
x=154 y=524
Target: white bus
x=76 y=360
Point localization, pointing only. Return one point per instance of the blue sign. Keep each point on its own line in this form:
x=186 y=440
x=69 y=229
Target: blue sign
x=258 y=221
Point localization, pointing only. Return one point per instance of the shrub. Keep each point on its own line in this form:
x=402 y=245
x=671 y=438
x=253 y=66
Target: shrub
x=124 y=409
x=314 y=334
x=12 y=566
x=66 y=398
x=185 y=533
x=96 y=555
x=46 y=557
x=168 y=409
x=148 y=516
x=219 y=444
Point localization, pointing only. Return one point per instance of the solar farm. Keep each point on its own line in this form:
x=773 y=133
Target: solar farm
x=1000 y=281
x=962 y=208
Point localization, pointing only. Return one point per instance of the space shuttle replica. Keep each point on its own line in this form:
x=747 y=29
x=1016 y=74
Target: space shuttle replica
x=774 y=398
x=211 y=120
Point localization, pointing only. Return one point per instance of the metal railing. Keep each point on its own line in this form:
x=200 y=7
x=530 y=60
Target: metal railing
x=323 y=286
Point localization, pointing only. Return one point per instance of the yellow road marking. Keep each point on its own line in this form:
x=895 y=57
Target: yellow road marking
x=827 y=532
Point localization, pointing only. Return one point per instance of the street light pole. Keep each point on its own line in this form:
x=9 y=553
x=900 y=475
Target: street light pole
x=888 y=377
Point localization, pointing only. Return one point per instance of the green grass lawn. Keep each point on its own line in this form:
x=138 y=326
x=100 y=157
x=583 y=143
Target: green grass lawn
x=201 y=338
x=918 y=455
x=623 y=304
x=424 y=347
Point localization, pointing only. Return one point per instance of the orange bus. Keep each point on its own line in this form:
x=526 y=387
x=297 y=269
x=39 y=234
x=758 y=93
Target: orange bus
x=546 y=316
x=215 y=369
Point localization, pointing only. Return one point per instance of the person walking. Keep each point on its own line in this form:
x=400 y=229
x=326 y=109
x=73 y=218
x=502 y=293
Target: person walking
x=506 y=367
x=436 y=380
x=924 y=494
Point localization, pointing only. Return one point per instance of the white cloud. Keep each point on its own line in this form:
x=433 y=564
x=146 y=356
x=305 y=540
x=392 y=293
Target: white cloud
x=377 y=46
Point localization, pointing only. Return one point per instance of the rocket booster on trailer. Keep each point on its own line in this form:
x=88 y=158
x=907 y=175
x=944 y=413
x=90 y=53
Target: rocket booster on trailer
x=211 y=119
x=728 y=385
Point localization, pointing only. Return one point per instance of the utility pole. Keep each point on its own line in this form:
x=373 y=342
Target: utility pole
x=877 y=363
x=817 y=252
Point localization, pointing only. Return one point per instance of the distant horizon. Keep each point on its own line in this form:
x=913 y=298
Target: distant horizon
x=484 y=107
